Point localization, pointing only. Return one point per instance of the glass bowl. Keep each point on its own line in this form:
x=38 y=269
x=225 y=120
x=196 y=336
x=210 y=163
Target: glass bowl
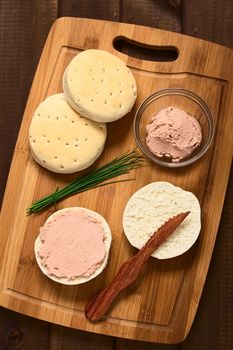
x=184 y=100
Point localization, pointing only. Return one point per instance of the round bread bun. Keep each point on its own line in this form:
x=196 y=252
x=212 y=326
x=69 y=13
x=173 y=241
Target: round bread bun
x=99 y=86
x=151 y=206
x=107 y=243
x=63 y=141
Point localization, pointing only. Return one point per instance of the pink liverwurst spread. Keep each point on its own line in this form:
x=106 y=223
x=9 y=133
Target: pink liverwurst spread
x=174 y=134
x=72 y=245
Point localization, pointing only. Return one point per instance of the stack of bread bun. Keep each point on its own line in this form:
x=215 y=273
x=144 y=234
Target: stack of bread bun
x=68 y=130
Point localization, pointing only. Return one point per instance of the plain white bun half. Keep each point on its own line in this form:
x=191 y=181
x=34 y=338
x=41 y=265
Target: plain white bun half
x=151 y=206
x=107 y=243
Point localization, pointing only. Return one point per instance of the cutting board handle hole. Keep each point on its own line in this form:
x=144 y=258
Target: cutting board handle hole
x=145 y=52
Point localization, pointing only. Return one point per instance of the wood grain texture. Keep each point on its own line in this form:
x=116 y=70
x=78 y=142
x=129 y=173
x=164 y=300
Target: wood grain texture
x=15 y=95
x=98 y=9
x=216 y=304
x=17 y=65
x=210 y=20
x=126 y=344
x=62 y=338
x=155 y=13
x=148 y=311
x=212 y=328
x=20 y=332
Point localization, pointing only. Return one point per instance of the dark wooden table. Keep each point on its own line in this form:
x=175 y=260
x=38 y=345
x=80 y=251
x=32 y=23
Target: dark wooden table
x=24 y=26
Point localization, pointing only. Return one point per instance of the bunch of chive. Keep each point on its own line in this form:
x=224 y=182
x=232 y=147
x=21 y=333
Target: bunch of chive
x=118 y=166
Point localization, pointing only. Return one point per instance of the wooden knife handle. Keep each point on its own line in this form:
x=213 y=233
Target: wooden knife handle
x=129 y=271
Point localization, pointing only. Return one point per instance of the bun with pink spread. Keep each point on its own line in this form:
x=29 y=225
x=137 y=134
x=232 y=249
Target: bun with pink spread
x=73 y=245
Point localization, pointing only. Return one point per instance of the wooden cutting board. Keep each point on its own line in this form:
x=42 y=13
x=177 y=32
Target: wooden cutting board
x=161 y=305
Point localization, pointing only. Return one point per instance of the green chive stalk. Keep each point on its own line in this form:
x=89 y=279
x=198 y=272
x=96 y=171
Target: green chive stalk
x=117 y=167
